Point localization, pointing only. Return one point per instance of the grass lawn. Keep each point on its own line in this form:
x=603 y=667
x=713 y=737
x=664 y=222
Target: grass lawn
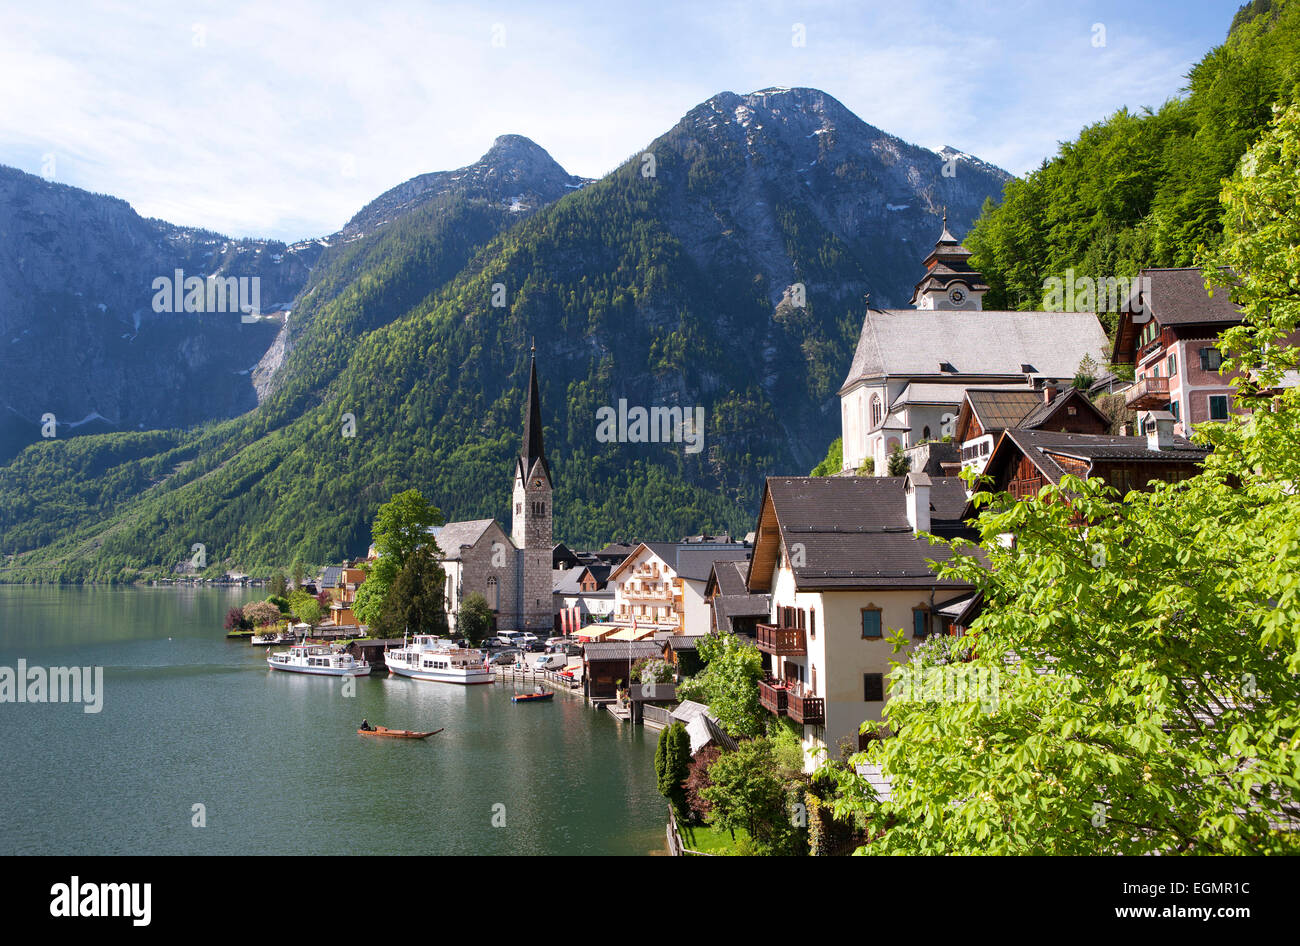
x=710 y=840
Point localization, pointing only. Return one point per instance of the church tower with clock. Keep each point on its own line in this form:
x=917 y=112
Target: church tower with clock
x=949 y=281
x=532 y=514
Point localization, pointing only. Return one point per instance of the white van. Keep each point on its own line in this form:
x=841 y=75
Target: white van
x=549 y=661
x=509 y=638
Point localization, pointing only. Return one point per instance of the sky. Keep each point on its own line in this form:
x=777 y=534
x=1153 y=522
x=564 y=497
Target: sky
x=283 y=119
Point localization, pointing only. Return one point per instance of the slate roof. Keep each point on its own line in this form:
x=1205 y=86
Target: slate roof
x=855 y=533
x=1041 y=445
x=330 y=576
x=683 y=641
x=929 y=393
x=454 y=535
x=696 y=563
x=621 y=650
x=1178 y=297
x=999 y=409
x=912 y=343
x=564 y=581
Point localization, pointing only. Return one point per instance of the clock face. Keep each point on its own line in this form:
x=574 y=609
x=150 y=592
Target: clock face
x=537 y=482
x=956 y=295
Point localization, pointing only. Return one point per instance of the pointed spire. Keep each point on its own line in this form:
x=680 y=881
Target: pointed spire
x=534 y=449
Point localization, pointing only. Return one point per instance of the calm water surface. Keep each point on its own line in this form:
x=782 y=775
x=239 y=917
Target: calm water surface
x=192 y=718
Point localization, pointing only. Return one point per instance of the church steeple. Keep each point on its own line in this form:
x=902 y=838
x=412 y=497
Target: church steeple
x=534 y=450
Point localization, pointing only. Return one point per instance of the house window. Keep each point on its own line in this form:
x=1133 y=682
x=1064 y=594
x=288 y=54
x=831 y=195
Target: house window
x=920 y=623
x=812 y=623
x=873 y=687
x=1218 y=406
x=1211 y=359
x=870 y=622
x=925 y=434
x=1173 y=409
x=1172 y=365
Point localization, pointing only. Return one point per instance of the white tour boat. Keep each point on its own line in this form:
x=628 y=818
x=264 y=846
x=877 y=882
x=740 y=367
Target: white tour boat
x=431 y=658
x=318 y=659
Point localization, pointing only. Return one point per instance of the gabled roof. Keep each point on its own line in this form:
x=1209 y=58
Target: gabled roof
x=853 y=532
x=454 y=536
x=1172 y=297
x=978 y=344
x=998 y=408
x=621 y=650
x=1044 y=448
x=1045 y=411
x=728 y=578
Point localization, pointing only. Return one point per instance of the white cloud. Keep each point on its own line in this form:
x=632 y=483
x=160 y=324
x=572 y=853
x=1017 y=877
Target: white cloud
x=284 y=119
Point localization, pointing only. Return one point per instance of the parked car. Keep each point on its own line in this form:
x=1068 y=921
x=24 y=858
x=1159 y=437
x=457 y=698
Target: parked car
x=505 y=658
x=548 y=662
x=526 y=638
x=509 y=638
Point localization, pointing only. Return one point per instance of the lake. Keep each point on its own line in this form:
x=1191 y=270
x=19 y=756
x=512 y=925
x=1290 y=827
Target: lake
x=191 y=718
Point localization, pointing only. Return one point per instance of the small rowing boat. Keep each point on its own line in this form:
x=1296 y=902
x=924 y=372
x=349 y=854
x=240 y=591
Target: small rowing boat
x=532 y=697
x=397 y=733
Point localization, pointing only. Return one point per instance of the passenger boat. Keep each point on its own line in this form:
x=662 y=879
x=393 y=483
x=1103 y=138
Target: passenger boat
x=430 y=658
x=263 y=640
x=532 y=697
x=397 y=733
x=318 y=659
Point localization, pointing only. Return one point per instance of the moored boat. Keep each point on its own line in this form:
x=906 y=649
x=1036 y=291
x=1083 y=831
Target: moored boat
x=397 y=733
x=431 y=658
x=532 y=697
x=318 y=659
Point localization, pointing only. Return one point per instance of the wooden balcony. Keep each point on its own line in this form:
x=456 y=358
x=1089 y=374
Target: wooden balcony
x=1147 y=394
x=772 y=697
x=782 y=641
x=805 y=709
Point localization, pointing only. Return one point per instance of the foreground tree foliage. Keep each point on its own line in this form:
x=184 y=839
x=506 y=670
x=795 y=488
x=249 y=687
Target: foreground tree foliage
x=1143 y=651
x=400 y=531
x=672 y=766
x=728 y=685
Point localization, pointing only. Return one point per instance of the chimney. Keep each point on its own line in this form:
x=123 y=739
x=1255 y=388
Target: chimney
x=1049 y=393
x=1160 y=430
x=916 y=488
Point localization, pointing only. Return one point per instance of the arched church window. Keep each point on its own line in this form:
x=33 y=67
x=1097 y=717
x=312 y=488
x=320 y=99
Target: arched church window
x=877 y=411
x=925 y=434
x=492 y=595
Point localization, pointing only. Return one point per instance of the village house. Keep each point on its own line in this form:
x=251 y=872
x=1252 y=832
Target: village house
x=912 y=367
x=660 y=586
x=513 y=572
x=1024 y=461
x=986 y=412
x=843 y=562
x=1170 y=336
x=607 y=665
x=581 y=596
x=734 y=610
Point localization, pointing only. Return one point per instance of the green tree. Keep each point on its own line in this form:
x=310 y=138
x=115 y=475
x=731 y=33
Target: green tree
x=899 y=462
x=728 y=684
x=279 y=585
x=416 y=601
x=474 y=618
x=834 y=460
x=369 y=602
x=672 y=765
x=747 y=793
x=402 y=527
x=305 y=608
x=1146 y=669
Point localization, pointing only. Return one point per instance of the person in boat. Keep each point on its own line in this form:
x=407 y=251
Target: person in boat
x=365 y=726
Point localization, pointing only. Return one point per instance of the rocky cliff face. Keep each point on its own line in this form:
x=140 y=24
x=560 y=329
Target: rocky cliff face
x=79 y=336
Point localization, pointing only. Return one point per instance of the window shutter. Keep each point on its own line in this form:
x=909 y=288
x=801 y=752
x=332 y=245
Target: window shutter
x=873 y=687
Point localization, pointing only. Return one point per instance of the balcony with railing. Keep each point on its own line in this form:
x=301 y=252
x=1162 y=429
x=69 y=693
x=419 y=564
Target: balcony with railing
x=782 y=641
x=772 y=696
x=802 y=707
x=1147 y=394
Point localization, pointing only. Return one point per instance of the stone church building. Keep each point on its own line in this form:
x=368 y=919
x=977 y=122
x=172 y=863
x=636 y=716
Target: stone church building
x=912 y=367
x=513 y=572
